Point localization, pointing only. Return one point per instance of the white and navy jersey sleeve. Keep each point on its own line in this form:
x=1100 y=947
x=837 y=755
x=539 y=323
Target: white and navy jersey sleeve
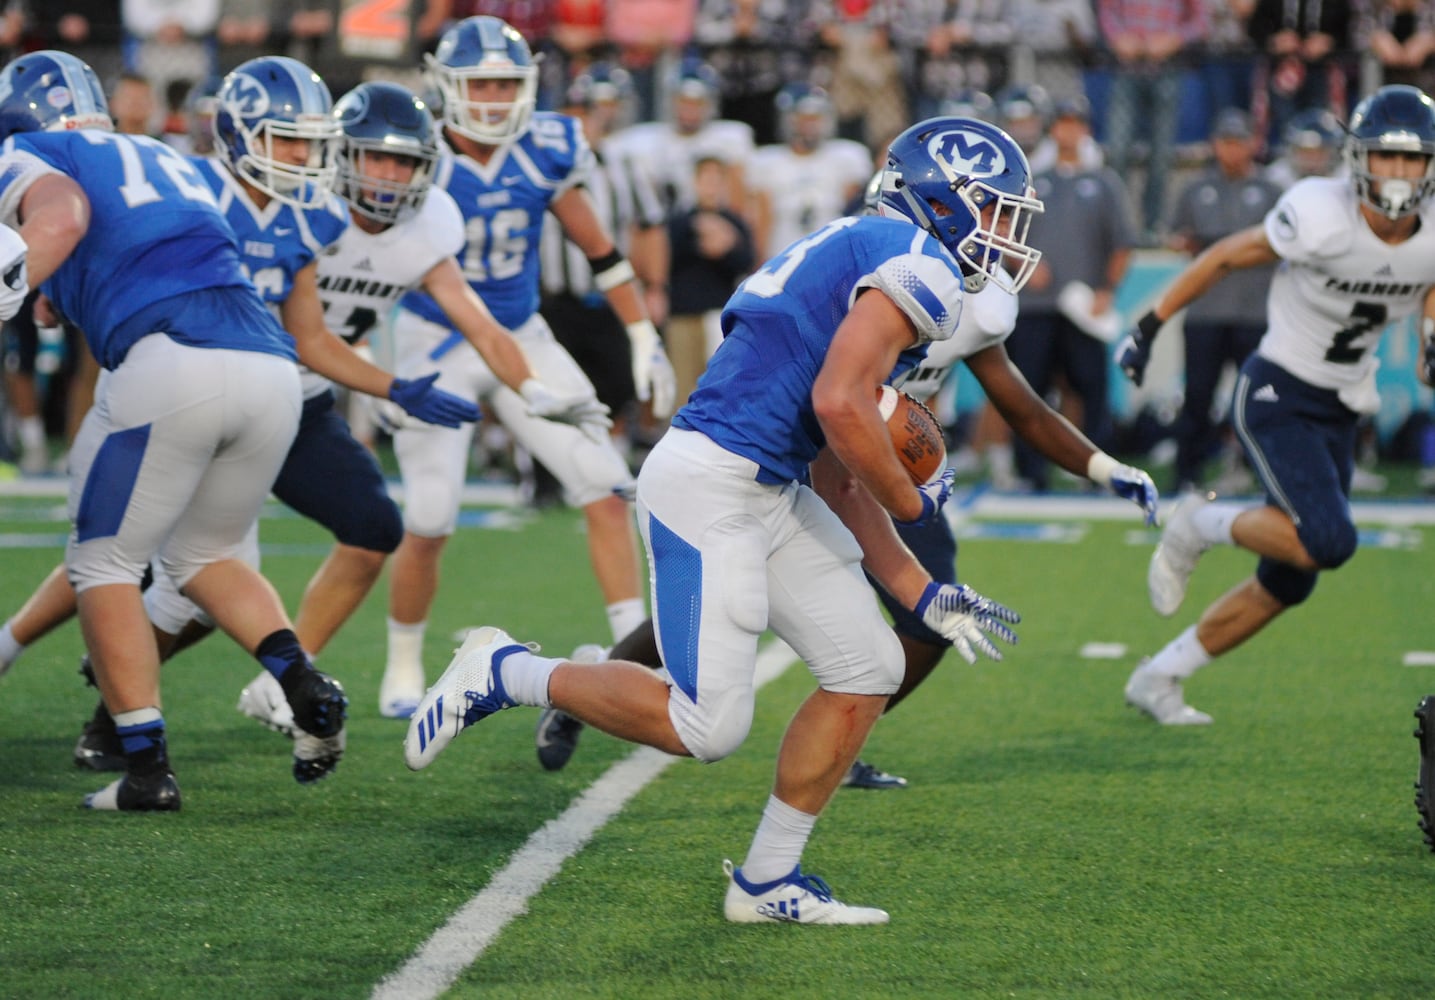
x=988 y=318
x=925 y=283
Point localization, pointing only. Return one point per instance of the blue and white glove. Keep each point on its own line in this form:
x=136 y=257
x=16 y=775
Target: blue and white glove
x=653 y=376
x=934 y=495
x=1133 y=354
x=583 y=412
x=1126 y=481
x=422 y=399
x=966 y=618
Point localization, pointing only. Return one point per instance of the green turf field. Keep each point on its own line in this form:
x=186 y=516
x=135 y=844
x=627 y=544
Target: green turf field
x=1052 y=842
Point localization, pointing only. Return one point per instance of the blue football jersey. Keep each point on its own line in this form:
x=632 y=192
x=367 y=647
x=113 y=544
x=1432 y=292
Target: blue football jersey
x=503 y=203
x=155 y=233
x=755 y=399
x=277 y=241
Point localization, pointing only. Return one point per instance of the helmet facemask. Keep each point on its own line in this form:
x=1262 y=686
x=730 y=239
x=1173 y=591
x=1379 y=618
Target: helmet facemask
x=383 y=200
x=304 y=185
x=491 y=123
x=1392 y=197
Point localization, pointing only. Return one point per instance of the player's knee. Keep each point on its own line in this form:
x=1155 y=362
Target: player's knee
x=719 y=728
x=596 y=472
x=380 y=528
x=1285 y=583
x=1329 y=542
x=431 y=513
x=875 y=670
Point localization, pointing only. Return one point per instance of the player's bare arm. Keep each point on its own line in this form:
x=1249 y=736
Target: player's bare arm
x=446 y=283
x=1026 y=413
x=884 y=555
x=844 y=397
x=574 y=210
x=320 y=349
x=54 y=217
x=1244 y=249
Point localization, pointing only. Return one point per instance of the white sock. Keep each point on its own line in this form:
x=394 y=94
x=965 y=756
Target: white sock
x=406 y=644
x=626 y=615
x=1001 y=460
x=778 y=844
x=525 y=677
x=1181 y=657
x=10 y=650
x=1213 y=522
x=32 y=434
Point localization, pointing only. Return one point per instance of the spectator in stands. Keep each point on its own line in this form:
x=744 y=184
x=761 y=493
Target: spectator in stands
x=953 y=45
x=650 y=36
x=1401 y=34
x=243 y=31
x=1223 y=328
x=1062 y=37
x=88 y=29
x=1148 y=40
x=755 y=46
x=712 y=250
x=1228 y=58
x=867 y=84
x=1085 y=237
x=132 y=104
x=168 y=40
x=1305 y=45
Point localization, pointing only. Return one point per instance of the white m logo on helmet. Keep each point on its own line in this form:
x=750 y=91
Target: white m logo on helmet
x=247 y=97
x=966 y=154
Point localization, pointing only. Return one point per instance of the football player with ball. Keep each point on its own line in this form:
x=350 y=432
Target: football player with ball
x=737 y=542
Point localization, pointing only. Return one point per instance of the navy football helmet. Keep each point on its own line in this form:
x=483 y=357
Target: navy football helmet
x=275 y=97
x=695 y=89
x=805 y=114
x=1395 y=119
x=603 y=90
x=385 y=118
x=51 y=91
x=484 y=48
x=968 y=184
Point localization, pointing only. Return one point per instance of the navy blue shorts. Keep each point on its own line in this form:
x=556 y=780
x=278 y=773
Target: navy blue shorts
x=1301 y=443
x=335 y=481
x=935 y=547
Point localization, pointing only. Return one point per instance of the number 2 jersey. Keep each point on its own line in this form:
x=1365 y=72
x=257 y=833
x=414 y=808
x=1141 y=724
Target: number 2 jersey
x=1339 y=285
x=154 y=234
x=755 y=398
x=503 y=202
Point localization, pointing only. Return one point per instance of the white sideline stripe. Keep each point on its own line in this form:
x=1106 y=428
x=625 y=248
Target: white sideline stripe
x=459 y=943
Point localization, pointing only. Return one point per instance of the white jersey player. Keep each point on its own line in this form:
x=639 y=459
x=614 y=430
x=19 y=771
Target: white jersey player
x=809 y=179
x=1355 y=254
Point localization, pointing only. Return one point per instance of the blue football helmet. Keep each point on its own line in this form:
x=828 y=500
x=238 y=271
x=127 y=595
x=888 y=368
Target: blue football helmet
x=694 y=90
x=51 y=91
x=603 y=90
x=1397 y=119
x=275 y=97
x=484 y=48
x=968 y=184
x=385 y=118
x=805 y=115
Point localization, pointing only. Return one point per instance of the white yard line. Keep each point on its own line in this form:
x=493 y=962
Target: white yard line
x=459 y=943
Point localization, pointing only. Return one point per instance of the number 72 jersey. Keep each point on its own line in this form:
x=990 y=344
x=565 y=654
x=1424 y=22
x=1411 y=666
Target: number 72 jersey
x=1339 y=286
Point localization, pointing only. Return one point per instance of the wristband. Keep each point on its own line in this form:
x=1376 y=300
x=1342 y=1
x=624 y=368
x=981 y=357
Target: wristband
x=1100 y=466
x=1149 y=325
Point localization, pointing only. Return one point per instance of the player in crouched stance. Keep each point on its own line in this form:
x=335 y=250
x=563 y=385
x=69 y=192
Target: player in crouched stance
x=1357 y=254
x=738 y=544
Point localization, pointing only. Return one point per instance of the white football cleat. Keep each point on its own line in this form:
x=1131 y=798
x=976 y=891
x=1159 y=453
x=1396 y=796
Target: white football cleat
x=795 y=899
x=263 y=699
x=471 y=689
x=401 y=690
x=1161 y=697
x=1175 y=557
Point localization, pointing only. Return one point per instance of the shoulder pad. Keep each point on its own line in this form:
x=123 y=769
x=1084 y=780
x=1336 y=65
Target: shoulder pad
x=1312 y=219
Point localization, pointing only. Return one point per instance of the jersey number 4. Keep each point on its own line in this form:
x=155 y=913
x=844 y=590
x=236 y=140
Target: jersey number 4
x=1364 y=317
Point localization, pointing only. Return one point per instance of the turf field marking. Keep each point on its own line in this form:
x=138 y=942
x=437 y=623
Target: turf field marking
x=459 y=943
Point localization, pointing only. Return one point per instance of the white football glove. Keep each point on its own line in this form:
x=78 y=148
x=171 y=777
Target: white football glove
x=652 y=372
x=14 y=280
x=583 y=412
x=966 y=618
x=390 y=416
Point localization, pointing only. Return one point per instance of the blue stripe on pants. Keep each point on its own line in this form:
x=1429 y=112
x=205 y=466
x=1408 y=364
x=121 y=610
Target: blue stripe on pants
x=110 y=483
x=678 y=602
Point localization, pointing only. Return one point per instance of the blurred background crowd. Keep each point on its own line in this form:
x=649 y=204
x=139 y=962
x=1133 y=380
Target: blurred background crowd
x=728 y=127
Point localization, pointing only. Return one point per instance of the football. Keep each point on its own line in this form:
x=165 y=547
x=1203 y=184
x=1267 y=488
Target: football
x=915 y=434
